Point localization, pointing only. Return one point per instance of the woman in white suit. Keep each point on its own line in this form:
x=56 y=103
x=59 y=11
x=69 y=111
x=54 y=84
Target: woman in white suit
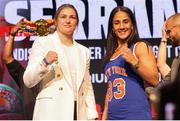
x=60 y=66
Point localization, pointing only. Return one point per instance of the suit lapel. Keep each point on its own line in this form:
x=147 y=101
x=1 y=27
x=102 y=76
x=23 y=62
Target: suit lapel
x=80 y=66
x=80 y=63
x=62 y=59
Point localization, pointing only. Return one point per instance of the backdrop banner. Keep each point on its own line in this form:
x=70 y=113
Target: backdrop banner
x=91 y=31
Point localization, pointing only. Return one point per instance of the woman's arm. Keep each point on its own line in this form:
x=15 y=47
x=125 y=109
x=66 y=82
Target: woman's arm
x=144 y=62
x=105 y=112
x=147 y=67
x=8 y=50
x=35 y=69
x=8 y=47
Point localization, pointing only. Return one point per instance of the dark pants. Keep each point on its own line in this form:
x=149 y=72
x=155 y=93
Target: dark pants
x=75 y=110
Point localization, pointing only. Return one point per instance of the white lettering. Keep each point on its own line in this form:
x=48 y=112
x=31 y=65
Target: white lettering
x=17 y=38
x=169 y=50
x=37 y=9
x=11 y=11
x=139 y=9
x=97 y=21
x=98 y=78
x=177 y=51
x=21 y=54
x=161 y=10
x=95 y=52
x=98 y=15
x=178 y=6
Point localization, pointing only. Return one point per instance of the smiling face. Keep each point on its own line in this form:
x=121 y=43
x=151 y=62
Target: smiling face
x=122 y=25
x=66 y=21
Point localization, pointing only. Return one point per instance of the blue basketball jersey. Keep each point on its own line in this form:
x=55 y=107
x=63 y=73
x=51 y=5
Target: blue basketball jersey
x=126 y=96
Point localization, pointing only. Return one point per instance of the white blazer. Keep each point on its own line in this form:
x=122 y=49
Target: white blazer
x=56 y=98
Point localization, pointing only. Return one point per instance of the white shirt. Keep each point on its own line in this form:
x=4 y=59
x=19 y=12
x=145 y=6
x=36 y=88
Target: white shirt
x=70 y=54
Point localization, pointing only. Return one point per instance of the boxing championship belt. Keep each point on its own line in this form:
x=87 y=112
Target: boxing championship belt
x=40 y=27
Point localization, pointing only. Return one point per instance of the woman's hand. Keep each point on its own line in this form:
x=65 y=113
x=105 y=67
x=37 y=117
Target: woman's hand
x=164 y=35
x=51 y=57
x=17 y=27
x=127 y=54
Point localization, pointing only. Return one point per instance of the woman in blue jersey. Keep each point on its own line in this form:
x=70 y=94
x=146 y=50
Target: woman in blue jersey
x=130 y=63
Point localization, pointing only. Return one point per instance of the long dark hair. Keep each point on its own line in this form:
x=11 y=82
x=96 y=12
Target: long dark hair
x=112 y=43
